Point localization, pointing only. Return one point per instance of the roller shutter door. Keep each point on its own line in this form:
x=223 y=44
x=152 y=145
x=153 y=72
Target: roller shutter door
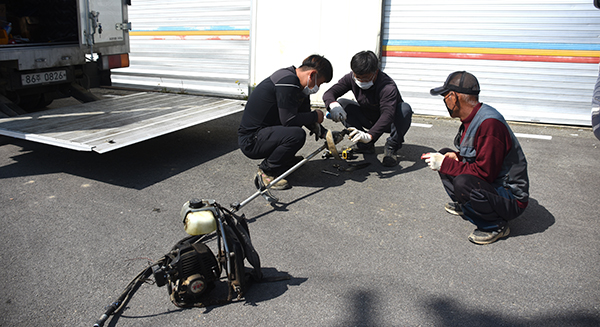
x=188 y=46
x=536 y=61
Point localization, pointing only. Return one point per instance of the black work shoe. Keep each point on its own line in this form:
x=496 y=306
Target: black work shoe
x=454 y=208
x=266 y=180
x=363 y=148
x=486 y=237
x=390 y=158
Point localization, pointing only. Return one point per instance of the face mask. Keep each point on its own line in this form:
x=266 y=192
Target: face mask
x=363 y=85
x=315 y=88
x=450 y=111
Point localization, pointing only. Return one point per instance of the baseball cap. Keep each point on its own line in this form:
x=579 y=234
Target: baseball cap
x=460 y=82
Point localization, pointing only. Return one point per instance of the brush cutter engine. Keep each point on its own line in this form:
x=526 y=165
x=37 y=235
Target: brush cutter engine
x=191 y=273
x=191 y=270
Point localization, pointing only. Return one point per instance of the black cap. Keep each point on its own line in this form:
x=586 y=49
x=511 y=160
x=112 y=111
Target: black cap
x=460 y=82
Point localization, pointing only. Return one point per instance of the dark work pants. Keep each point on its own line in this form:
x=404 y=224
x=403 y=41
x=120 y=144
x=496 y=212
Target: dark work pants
x=277 y=145
x=362 y=119
x=487 y=206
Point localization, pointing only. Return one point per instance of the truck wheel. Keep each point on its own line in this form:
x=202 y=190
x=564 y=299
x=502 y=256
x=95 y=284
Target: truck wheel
x=35 y=102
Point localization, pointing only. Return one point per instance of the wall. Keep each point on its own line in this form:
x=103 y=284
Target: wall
x=284 y=32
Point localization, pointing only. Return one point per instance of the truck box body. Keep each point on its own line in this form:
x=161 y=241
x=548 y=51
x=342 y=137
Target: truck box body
x=58 y=48
x=48 y=47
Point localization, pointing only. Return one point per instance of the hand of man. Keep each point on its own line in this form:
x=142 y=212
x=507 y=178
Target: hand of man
x=337 y=112
x=434 y=160
x=359 y=136
x=451 y=155
x=320 y=116
x=318 y=130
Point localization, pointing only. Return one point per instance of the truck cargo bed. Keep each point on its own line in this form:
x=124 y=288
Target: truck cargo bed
x=111 y=124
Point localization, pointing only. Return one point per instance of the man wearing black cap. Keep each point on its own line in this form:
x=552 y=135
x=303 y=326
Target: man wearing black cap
x=487 y=178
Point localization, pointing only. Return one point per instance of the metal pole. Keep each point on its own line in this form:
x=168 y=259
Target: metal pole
x=282 y=176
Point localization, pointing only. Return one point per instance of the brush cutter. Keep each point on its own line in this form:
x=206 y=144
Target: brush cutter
x=331 y=139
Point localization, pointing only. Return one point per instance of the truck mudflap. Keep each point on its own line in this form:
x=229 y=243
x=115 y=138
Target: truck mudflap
x=110 y=124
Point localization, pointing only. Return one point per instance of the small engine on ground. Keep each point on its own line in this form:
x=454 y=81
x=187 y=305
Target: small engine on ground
x=191 y=274
x=191 y=271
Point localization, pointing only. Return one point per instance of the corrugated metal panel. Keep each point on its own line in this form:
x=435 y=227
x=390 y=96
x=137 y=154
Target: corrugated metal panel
x=189 y=46
x=535 y=60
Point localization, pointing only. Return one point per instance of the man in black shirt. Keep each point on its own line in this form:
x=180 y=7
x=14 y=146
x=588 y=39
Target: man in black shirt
x=271 y=126
x=378 y=107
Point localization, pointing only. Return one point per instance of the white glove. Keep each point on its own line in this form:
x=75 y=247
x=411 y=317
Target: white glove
x=434 y=160
x=337 y=112
x=359 y=136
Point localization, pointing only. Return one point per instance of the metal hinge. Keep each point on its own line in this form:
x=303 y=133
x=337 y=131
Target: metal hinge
x=123 y=26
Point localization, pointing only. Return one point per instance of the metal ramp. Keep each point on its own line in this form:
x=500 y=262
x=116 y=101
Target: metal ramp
x=110 y=124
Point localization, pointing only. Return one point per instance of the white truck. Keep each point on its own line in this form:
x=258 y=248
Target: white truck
x=56 y=48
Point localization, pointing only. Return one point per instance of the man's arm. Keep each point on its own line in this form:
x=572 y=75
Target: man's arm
x=338 y=89
x=293 y=106
x=493 y=143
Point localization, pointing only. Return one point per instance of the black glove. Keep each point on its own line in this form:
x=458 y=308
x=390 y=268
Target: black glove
x=317 y=129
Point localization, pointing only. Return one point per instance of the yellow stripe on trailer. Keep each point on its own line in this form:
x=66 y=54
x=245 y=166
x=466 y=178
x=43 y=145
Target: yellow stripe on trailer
x=184 y=33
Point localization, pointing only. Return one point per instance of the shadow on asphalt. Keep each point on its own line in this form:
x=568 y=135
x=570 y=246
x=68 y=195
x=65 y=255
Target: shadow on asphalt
x=535 y=219
x=257 y=292
x=364 y=305
x=449 y=312
x=311 y=173
x=265 y=291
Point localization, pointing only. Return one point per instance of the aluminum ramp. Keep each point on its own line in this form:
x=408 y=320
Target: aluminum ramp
x=110 y=124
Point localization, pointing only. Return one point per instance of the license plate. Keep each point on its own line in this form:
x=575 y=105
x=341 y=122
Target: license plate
x=45 y=77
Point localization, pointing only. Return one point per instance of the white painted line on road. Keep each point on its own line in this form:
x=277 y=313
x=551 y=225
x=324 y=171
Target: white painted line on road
x=526 y=136
x=421 y=125
x=534 y=136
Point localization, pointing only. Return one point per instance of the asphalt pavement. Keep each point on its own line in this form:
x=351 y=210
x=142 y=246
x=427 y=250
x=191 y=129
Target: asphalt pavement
x=369 y=247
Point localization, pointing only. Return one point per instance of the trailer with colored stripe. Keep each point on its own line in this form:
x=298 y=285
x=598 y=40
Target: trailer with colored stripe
x=536 y=60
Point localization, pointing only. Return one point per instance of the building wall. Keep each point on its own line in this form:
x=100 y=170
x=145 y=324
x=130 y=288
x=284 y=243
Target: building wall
x=285 y=32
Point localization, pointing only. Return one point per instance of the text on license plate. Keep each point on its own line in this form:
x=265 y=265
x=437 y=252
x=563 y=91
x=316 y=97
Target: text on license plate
x=44 y=77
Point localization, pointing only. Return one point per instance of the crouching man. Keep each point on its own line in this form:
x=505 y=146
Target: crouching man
x=378 y=107
x=271 y=126
x=487 y=178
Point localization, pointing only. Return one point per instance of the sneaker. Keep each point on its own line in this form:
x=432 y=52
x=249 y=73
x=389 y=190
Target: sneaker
x=486 y=237
x=363 y=148
x=267 y=179
x=390 y=158
x=454 y=208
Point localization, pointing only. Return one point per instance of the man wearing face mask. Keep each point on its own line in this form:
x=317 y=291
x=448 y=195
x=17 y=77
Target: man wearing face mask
x=271 y=126
x=487 y=178
x=378 y=107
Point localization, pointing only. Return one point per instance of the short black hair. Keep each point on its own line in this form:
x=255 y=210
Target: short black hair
x=321 y=64
x=364 y=62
